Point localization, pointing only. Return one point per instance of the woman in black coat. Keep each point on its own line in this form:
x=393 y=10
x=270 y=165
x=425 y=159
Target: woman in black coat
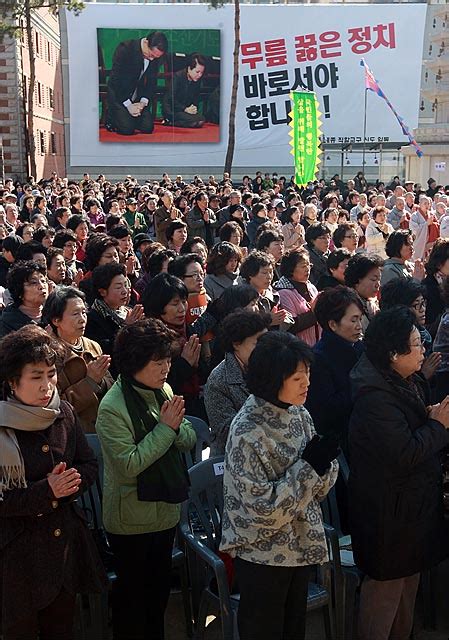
x=339 y=312
x=437 y=270
x=395 y=484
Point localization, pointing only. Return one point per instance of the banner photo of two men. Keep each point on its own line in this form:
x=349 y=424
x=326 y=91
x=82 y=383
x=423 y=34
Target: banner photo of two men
x=159 y=86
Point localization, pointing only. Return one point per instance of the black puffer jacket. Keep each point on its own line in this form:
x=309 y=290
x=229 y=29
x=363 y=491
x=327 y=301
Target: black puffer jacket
x=395 y=484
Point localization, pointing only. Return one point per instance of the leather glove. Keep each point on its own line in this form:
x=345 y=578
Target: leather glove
x=320 y=452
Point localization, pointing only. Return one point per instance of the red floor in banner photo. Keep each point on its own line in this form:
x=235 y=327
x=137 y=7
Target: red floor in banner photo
x=207 y=133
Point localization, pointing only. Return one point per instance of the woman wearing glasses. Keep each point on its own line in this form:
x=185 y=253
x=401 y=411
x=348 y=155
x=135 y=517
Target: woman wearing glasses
x=395 y=484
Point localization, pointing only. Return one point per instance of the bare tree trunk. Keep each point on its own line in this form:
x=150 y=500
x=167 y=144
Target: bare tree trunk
x=235 y=86
x=31 y=90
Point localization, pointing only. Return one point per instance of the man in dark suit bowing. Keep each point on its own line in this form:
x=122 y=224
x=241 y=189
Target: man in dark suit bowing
x=132 y=83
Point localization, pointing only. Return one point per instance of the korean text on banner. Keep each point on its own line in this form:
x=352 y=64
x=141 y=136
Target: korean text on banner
x=305 y=135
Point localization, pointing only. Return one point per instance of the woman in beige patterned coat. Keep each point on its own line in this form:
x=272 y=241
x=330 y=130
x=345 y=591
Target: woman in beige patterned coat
x=276 y=471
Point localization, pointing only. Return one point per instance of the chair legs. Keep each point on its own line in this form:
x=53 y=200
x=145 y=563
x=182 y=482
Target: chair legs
x=327 y=619
x=186 y=598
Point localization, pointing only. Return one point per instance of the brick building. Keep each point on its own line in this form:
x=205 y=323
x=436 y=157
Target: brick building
x=48 y=129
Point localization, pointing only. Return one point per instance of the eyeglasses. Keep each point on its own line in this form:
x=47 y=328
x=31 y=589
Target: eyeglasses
x=352 y=236
x=197 y=276
x=418 y=306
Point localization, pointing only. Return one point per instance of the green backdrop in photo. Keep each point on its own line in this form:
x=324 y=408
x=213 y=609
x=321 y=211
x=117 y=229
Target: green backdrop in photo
x=205 y=41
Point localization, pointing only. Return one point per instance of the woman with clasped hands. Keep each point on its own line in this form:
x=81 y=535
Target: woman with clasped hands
x=47 y=554
x=395 y=483
x=142 y=433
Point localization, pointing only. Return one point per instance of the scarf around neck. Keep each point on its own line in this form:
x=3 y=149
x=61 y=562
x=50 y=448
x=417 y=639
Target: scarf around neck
x=22 y=417
x=105 y=311
x=166 y=480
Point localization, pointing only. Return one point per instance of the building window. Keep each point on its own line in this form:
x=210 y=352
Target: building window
x=53 y=142
x=39 y=94
x=51 y=101
x=42 y=142
x=36 y=43
x=49 y=52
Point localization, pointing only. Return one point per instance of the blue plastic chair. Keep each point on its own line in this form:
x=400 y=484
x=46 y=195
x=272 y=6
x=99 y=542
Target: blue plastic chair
x=200 y=528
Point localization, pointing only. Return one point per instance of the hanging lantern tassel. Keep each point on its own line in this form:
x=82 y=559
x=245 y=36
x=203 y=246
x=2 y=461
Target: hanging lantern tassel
x=305 y=132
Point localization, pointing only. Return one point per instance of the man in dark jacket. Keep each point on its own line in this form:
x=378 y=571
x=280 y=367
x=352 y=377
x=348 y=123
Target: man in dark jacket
x=182 y=97
x=132 y=83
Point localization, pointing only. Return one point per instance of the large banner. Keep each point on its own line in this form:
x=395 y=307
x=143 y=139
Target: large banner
x=284 y=48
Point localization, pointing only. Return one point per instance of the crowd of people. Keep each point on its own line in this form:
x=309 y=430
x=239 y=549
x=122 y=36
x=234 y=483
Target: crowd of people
x=302 y=324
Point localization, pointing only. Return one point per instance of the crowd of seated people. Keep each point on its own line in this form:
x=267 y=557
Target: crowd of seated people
x=300 y=324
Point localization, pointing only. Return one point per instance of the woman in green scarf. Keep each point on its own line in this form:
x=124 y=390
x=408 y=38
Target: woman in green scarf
x=142 y=432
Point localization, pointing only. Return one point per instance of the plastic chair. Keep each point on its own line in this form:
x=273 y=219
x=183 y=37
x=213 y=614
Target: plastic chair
x=347 y=577
x=200 y=528
x=92 y=504
x=203 y=437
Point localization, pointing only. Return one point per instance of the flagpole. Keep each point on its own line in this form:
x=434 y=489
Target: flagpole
x=364 y=133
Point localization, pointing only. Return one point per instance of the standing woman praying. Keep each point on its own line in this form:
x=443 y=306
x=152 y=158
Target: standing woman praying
x=47 y=554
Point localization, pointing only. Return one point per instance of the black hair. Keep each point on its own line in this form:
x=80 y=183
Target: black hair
x=60 y=211
x=119 y=232
x=162 y=288
x=254 y=262
x=340 y=232
x=228 y=229
x=396 y=241
x=155 y=262
x=56 y=304
x=157 y=40
x=194 y=59
x=336 y=257
x=291 y=259
x=267 y=237
x=236 y=297
x=28 y=345
x=240 y=325
x=62 y=237
x=286 y=215
x=359 y=266
x=188 y=244
x=388 y=334
x=280 y=353
x=113 y=221
x=18 y=274
x=173 y=226
x=332 y=304
x=96 y=245
x=257 y=208
x=219 y=256
x=52 y=252
x=29 y=249
x=315 y=230
x=12 y=244
x=438 y=256
x=75 y=220
x=102 y=276
x=400 y=291
x=138 y=343
x=178 y=266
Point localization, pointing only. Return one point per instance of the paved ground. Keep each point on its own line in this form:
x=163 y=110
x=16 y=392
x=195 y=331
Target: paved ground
x=315 y=630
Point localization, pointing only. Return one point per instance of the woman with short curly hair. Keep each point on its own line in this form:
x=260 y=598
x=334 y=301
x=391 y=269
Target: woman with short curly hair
x=47 y=553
